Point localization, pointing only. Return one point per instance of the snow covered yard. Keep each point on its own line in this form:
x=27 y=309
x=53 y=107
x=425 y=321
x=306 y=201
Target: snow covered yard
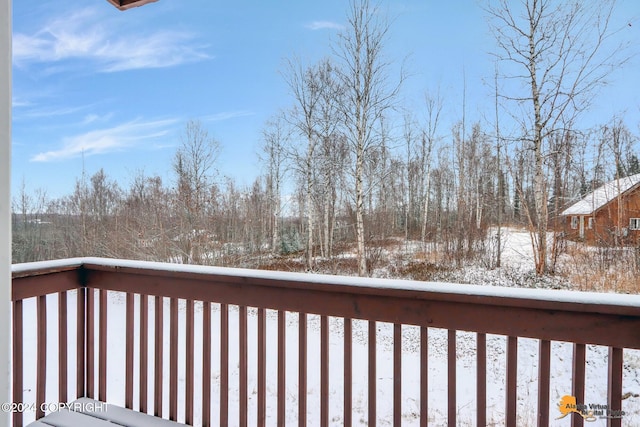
x=579 y=267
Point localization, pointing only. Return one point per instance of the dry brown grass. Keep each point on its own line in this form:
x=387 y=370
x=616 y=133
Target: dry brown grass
x=283 y=264
x=387 y=243
x=346 y=266
x=429 y=257
x=625 y=282
x=602 y=269
x=423 y=271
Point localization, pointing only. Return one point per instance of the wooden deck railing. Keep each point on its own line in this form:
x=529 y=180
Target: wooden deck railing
x=84 y=349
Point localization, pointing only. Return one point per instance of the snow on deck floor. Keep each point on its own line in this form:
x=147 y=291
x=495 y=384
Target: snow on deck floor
x=596 y=370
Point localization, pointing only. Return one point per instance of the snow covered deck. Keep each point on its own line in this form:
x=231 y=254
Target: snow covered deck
x=214 y=346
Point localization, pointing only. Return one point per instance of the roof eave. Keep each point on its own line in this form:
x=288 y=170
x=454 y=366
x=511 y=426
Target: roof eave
x=565 y=213
x=128 y=4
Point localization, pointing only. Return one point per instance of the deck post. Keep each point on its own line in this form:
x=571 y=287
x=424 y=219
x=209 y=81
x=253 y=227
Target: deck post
x=5 y=206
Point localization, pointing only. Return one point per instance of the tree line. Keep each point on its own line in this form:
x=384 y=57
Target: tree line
x=446 y=193
x=346 y=167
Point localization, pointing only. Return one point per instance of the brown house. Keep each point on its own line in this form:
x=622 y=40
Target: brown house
x=608 y=215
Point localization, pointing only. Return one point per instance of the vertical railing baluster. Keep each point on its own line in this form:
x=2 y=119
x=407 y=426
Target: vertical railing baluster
x=577 y=388
x=224 y=364
x=102 y=347
x=262 y=367
x=91 y=346
x=324 y=371
x=173 y=359
x=158 y=342
x=81 y=323
x=615 y=386
x=372 y=373
x=452 y=405
x=129 y=334
x=348 y=372
x=397 y=375
x=206 y=364
x=544 y=374
x=144 y=352
x=282 y=358
x=512 y=381
x=243 y=388
x=62 y=347
x=41 y=365
x=481 y=379
x=424 y=376
x=18 y=363
x=302 y=370
x=190 y=361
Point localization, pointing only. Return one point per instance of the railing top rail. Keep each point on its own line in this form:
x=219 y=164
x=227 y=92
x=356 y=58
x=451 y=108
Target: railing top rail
x=540 y=298
x=45 y=267
x=580 y=317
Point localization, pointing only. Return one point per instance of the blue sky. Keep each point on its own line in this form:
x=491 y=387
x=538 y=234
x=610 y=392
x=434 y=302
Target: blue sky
x=114 y=89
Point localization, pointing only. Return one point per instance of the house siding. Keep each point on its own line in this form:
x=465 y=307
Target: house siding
x=611 y=225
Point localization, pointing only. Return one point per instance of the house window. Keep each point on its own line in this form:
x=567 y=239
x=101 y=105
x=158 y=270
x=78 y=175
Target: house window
x=634 y=224
x=574 y=222
x=590 y=223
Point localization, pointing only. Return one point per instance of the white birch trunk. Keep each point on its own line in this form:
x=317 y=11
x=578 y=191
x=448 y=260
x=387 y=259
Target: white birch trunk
x=362 y=259
x=275 y=237
x=425 y=208
x=309 y=202
x=539 y=188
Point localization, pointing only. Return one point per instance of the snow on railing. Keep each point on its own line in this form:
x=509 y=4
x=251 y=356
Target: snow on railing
x=205 y=324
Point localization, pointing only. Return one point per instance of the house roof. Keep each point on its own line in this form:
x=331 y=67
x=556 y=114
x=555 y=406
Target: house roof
x=603 y=195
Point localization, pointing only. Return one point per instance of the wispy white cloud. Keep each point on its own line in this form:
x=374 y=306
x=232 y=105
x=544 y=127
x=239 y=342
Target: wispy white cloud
x=46 y=112
x=19 y=102
x=85 y=35
x=103 y=141
x=92 y=118
x=226 y=115
x=324 y=25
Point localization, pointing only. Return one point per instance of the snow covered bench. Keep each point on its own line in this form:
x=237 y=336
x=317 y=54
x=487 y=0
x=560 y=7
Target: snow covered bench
x=86 y=412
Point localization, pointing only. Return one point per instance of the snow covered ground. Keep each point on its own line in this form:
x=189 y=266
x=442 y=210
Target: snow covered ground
x=516 y=251
x=516 y=259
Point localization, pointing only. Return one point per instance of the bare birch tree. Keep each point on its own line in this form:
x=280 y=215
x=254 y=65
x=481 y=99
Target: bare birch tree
x=561 y=52
x=332 y=153
x=306 y=88
x=364 y=74
x=194 y=166
x=275 y=136
x=409 y=176
x=429 y=136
